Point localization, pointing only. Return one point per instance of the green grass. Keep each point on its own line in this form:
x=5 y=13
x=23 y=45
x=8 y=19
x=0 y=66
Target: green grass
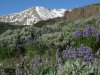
x=5 y=53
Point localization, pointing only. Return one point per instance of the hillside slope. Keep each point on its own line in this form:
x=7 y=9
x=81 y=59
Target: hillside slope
x=7 y=26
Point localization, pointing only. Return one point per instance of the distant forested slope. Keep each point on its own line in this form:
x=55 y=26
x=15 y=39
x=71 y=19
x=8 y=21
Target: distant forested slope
x=6 y=26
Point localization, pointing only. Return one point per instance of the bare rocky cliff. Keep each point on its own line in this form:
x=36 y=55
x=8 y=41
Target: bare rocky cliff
x=83 y=12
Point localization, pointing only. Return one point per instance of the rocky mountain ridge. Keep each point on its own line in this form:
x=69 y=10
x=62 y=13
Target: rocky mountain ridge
x=83 y=12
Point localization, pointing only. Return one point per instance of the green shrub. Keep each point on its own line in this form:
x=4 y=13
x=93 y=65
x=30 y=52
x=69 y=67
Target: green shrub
x=77 y=67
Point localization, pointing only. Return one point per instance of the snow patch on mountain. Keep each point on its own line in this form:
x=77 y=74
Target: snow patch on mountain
x=45 y=13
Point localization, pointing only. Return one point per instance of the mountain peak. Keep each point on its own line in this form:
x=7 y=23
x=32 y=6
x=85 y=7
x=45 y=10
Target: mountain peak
x=32 y=15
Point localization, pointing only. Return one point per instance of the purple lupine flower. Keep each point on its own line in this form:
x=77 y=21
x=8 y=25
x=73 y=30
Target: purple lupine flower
x=77 y=33
x=83 y=51
x=69 y=53
x=89 y=57
x=89 y=31
x=37 y=61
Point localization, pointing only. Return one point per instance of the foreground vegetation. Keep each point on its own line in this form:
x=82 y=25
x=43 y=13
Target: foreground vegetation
x=63 y=47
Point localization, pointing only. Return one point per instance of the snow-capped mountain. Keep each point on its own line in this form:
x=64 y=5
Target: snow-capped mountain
x=32 y=15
